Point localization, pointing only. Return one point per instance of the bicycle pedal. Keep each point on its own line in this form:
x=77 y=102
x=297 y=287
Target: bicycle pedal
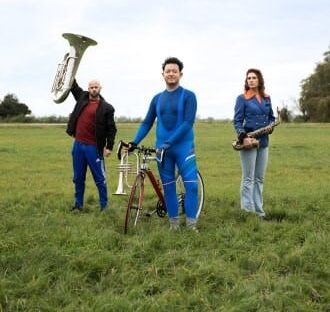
x=150 y=213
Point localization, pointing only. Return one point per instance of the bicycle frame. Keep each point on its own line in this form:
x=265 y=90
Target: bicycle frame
x=136 y=198
x=155 y=184
x=135 y=202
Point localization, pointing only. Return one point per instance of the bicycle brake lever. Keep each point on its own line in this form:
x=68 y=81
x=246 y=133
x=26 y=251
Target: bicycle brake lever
x=161 y=153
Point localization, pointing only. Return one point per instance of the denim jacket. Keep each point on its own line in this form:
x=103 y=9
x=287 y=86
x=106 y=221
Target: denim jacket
x=251 y=115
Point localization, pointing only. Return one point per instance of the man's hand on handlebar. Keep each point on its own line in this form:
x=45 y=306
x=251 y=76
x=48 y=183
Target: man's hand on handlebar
x=131 y=146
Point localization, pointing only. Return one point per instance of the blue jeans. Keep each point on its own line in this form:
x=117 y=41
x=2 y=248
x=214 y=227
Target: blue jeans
x=84 y=155
x=254 y=164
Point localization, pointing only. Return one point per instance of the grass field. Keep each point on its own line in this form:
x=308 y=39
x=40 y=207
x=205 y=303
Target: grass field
x=55 y=260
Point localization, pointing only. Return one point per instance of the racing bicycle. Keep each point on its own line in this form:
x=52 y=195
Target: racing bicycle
x=135 y=208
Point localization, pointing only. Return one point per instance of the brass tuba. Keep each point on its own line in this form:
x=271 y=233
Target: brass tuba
x=66 y=70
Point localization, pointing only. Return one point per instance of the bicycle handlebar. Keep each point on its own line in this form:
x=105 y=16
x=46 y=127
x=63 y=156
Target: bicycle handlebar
x=146 y=151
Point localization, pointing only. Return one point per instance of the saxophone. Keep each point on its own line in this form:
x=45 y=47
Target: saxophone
x=258 y=133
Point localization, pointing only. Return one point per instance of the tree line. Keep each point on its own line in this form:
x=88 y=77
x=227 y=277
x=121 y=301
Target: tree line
x=313 y=104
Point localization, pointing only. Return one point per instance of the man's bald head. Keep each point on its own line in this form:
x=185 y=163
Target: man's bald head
x=94 y=89
x=94 y=82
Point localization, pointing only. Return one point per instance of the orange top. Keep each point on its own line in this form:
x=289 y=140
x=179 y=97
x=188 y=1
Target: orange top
x=249 y=94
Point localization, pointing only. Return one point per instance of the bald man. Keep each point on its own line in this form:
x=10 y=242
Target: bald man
x=93 y=127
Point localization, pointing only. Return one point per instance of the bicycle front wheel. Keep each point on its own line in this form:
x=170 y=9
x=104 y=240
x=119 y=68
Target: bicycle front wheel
x=134 y=206
x=181 y=193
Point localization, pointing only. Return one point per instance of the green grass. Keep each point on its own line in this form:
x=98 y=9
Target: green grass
x=54 y=260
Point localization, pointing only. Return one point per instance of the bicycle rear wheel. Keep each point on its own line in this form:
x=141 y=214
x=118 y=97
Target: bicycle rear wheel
x=134 y=206
x=181 y=193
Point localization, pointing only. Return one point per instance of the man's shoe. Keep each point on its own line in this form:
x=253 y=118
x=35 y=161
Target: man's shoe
x=191 y=224
x=76 y=208
x=174 y=227
x=174 y=224
x=103 y=208
x=192 y=228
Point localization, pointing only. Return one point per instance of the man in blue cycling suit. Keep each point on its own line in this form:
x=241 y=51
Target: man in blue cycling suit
x=175 y=110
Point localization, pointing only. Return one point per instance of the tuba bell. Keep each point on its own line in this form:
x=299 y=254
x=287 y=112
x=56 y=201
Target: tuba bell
x=66 y=70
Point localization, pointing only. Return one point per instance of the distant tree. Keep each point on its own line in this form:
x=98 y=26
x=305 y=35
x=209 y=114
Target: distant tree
x=285 y=114
x=314 y=102
x=209 y=119
x=10 y=107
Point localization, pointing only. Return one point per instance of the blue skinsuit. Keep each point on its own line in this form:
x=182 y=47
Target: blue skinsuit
x=175 y=112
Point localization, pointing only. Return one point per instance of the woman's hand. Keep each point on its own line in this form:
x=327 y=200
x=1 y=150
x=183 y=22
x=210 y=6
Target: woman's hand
x=248 y=142
x=269 y=129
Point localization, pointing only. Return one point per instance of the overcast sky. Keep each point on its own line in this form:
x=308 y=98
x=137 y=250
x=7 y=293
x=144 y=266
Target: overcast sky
x=217 y=40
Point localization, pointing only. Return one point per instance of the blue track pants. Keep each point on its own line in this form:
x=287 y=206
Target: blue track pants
x=84 y=155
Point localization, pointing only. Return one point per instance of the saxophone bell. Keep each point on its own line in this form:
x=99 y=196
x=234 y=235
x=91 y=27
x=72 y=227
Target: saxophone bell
x=67 y=69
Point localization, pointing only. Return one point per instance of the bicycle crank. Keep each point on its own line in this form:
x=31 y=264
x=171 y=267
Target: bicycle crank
x=160 y=209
